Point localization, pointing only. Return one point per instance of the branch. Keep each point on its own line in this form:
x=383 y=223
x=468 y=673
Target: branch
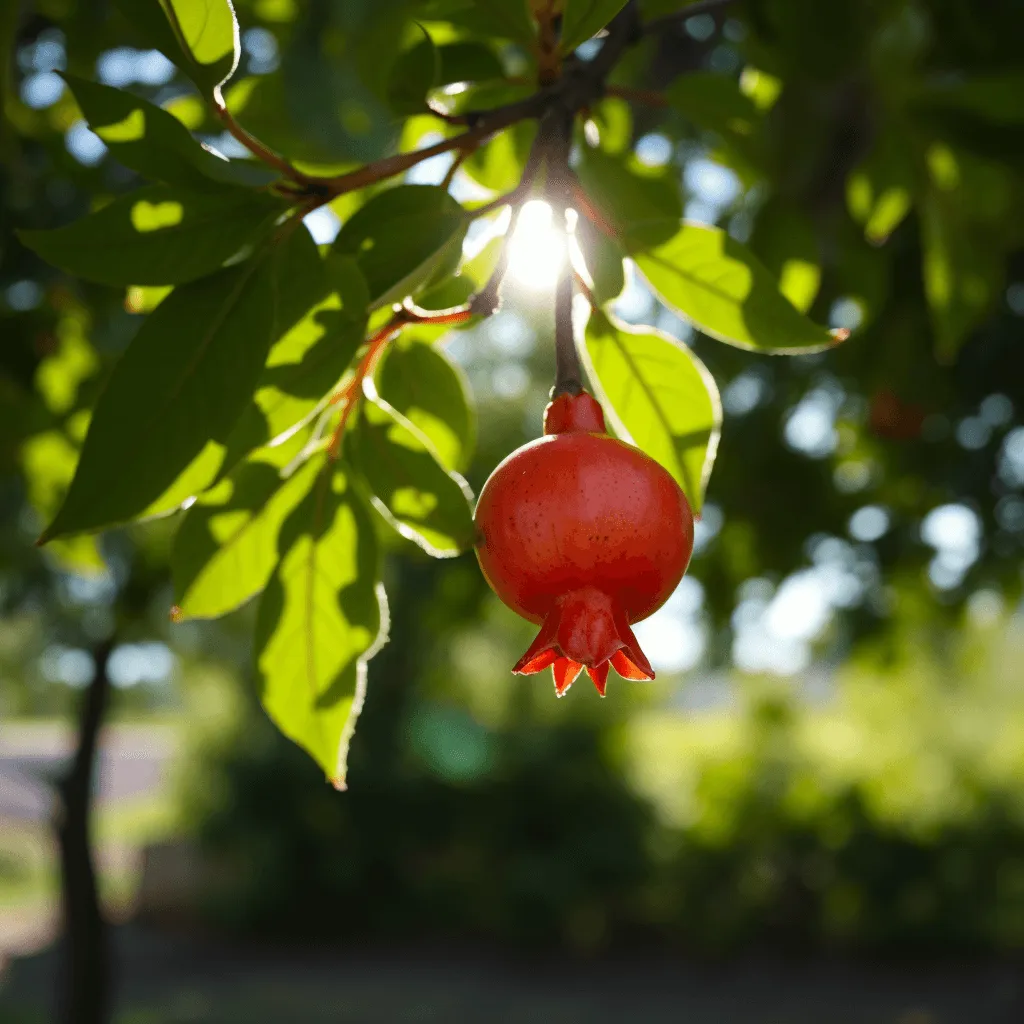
x=490 y=123
x=258 y=149
x=404 y=315
x=583 y=83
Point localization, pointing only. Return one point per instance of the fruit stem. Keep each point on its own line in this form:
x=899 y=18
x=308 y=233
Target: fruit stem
x=568 y=375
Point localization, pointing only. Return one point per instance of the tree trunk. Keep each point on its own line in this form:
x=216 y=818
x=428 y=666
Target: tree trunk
x=83 y=995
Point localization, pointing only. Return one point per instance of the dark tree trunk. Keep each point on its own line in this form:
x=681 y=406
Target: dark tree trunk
x=83 y=995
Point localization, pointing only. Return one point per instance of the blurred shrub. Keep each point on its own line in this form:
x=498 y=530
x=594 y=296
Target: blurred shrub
x=544 y=840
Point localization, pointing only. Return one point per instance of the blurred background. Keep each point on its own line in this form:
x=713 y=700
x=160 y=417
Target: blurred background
x=816 y=812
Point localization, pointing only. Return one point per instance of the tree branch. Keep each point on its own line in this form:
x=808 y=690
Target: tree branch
x=258 y=149
x=84 y=994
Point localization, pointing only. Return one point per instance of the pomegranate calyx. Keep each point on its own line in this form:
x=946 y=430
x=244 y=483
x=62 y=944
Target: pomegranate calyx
x=565 y=413
x=585 y=629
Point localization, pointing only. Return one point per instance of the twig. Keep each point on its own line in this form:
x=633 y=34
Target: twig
x=258 y=149
x=406 y=314
x=495 y=121
x=487 y=300
x=507 y=199
x=460 y=157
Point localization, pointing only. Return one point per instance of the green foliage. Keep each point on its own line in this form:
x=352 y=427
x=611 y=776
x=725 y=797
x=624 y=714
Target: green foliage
x=200 y=36
x=159 y=433
x=721 y=287
x=427 y=389
x=644 y=205
x=410 y=486
x=659 y=396
x=582 y=19
x=321 y=617
x=274 y=391
x=159 y=235
x=155 y=143
x=404 y=240
x=226 y=546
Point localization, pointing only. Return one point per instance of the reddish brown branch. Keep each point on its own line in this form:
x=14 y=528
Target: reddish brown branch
x=375 y=345
x=258 y=149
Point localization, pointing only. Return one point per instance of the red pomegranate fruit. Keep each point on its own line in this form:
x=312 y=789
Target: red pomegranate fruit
x=584 y=534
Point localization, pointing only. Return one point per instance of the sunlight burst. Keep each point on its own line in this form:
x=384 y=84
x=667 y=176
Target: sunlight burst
x=537 y=252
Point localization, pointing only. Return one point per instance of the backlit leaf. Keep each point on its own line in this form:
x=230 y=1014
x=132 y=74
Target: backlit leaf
x=642 y=204
x=658 y=395
x=410 y=488
x=200 y=36
x=322 y=616
x=226 y=547
x=422 y=384
x=602 y=258
x=306 y=363
x=718 y=285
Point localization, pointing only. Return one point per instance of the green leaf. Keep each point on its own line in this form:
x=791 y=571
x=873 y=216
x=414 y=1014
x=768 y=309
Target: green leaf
x=48 y=461
x=424 y=386
x=155 y=143
x=158 y=432
x=713 y=102
x=582 y=19
x=642 y=204
x=466 y=61
x=410 y=487
x=305 y=364
x=612 y=121
x=658 y=395
x=506 y=19
x=199 y=36
x=997 y=97
x=158 y=235
x=784 y=239
x=603 y=261
x=404 y=239
x=415 y=72
x=226 y=546
x=962 y=275
x=322 y=617
x=499 y=163
x=718 y=285
x=878 y=192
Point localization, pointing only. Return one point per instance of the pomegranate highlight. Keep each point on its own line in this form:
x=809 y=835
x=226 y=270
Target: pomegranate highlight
x=585 y=535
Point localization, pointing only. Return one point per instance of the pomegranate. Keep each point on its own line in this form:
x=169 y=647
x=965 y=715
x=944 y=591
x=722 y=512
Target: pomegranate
x=584 y=534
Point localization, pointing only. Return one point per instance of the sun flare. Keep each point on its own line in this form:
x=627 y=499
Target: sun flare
x=537 y=252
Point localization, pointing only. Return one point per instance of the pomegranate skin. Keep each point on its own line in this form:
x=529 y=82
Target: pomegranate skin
x=584 y=534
